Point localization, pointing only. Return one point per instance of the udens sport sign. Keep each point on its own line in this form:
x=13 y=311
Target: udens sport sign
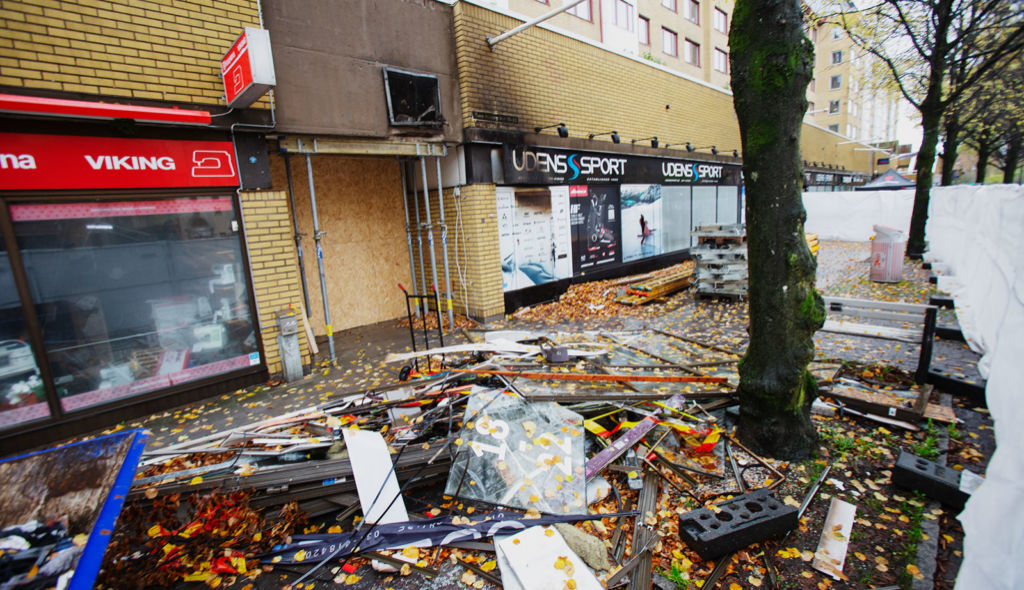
x=533 y=165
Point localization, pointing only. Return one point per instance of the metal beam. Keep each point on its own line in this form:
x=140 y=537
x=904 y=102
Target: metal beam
x=359 y=147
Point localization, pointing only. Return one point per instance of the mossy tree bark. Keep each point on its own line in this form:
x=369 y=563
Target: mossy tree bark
x=771 y=66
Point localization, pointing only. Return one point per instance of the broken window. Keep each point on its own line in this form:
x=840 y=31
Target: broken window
x=519 y=454
x=414 y=100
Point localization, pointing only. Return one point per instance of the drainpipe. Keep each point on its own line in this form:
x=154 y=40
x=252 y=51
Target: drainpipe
x=408 y=228
x=444 y=248
x=430 y=231
x=318 y=235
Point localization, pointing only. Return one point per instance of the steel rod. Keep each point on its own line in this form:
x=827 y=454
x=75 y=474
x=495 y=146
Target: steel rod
x=430 y=231
x=444 y=249
x=318 y=236
x=408 y=229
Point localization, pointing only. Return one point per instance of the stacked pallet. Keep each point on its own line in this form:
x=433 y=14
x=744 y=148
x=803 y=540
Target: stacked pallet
x=721 y=256
x=655 y=288
x=812 y=243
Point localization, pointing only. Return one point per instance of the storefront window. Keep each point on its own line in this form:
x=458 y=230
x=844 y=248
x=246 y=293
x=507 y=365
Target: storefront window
x=22 y=398
x=136 y=295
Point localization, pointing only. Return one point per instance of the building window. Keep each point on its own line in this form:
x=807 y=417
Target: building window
x=624 y=18
x=833 y=107
x=837 y=57
x=812 y=84
x=693 y=11
x=837 y=33
x=810 y=108
x=136 y=295
x=835 y=82
x=669 y=4
x=581 y=10
x=644 y=30
x=543 y=1
x=669 y=42
x=721 y=61
x=721 y=21
x=834 y=128
x=692 y=55
x=814 y=34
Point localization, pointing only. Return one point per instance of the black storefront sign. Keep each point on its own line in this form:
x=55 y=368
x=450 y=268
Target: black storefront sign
x=547 y=166
x=596 y=229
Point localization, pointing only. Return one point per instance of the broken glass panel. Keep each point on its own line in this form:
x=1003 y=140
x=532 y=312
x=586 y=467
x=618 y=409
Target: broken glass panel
x=519 y=454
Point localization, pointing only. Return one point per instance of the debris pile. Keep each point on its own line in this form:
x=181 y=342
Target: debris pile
x=609 y=466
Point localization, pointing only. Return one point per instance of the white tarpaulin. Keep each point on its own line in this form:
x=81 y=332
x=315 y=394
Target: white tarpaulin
x=850 y=216
x=977 y=233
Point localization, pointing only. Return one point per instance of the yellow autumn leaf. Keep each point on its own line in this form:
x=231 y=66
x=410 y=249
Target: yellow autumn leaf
x=195 y=480
x=489 y=565
x=735 y=586
x=352 y=579
x=755 y=582
x=334 y=529
x=300 y=555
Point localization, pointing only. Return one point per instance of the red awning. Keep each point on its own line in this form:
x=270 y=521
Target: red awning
x=59 y=107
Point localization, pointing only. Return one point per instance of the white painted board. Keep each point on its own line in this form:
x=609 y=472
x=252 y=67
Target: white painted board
x=373 y=472
x=531 y=559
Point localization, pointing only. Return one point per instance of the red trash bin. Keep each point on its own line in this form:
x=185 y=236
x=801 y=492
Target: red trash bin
x=887 y=250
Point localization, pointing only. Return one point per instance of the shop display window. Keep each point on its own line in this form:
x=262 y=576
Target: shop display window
x=22 y=396
x=136 y=295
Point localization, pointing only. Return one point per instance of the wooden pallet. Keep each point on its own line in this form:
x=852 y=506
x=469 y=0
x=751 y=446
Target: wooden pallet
x=812 y=243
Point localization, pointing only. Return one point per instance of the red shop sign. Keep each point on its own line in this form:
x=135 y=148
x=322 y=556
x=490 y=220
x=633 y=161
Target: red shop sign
x=55 y=162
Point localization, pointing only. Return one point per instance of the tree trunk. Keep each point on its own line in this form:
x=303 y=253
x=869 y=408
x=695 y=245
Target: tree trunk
x=1012 y=157
x=771 y=67
x=983 y=154
x=950 y=145
x=931 y=118
x=984 y=151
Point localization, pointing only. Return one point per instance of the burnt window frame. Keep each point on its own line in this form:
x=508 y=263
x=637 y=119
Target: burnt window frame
x=437 y=122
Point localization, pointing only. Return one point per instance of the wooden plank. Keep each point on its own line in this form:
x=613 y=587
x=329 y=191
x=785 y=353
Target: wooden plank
x=871 y=304
x=870 y=331
x=595 y=377
x=874 y=314
x=884 y=405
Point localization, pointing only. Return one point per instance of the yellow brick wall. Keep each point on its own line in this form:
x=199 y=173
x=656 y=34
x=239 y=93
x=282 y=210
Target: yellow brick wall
x=166 y=50
x=474 y=256
x=544 y=78
x=274 y=264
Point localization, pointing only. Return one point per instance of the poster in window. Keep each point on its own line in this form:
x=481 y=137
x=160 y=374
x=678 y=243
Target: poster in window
x=642 y=227
x=533 y=236
x=594 y=214
x=675 y=208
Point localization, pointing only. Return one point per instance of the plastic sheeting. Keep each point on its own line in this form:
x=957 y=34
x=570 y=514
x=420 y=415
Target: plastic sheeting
x=850 y=217
x=978 y=232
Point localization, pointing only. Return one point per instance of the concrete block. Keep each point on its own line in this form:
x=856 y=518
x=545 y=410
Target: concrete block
x=739 y=522
x=928 y=477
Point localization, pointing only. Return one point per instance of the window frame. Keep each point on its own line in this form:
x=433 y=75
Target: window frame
x=644 y=27
x=691 y=47
x=667 y=33
x=630 y=16
x=835 y=82
x=590 y=12
x=838 y=53
x=724 y=57
x=672 y=5
x=724 y=20
x=835 y=107
x=693 y=11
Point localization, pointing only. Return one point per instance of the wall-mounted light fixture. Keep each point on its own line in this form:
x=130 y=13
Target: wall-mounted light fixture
x=563 y=131
x=690 y=148
x=735 y=153
x=613 y=134
x=654 y=141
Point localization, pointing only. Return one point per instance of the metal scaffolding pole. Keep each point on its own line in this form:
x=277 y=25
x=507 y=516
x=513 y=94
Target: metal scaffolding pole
x=408 y=228
x=444 y=248
x=430 y=230
x=298 y=236
x=419 y=238
x=318 y=235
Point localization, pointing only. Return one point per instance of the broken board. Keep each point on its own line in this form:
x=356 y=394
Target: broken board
x=376 y=482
